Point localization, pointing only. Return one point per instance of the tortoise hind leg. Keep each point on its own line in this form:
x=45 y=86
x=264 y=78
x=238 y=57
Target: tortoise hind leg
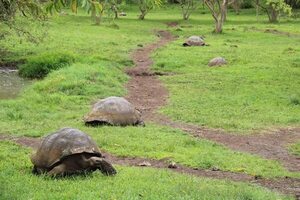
x=58 y=170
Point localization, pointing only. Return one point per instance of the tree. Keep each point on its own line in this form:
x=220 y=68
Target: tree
x=236 y=5
x=187 y=7
x=95 y=7
x=218 y=9
x=146 y=5
x=274 y=8
x=31 y=9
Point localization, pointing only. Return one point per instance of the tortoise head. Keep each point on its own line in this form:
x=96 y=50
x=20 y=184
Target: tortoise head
x=104 y=166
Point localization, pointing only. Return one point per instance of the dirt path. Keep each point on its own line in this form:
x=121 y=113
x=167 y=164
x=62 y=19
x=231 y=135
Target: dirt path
x=148 y=94
x=284 y=185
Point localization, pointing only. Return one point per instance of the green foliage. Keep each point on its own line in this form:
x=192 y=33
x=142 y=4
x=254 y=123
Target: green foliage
x=246 y=4
x=29 y=9
x=274 y=8
x=94 y=7
x=9 y=8
x=279 y=5
x=187 y=7
x=17 y=182
x=39 y=66
x=146 y=5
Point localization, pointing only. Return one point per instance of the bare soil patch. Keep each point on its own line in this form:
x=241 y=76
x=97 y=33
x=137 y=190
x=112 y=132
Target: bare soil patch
x=172 y=24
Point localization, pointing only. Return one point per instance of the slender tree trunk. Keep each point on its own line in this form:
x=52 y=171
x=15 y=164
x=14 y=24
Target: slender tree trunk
x=219 y=26
x=115 y=10
x=143 y=14
x=273 y=16
x=219 y=13
x=236 y=6
x=186 y=16
x=223 y=13
x=116 y=14
x=98 y=19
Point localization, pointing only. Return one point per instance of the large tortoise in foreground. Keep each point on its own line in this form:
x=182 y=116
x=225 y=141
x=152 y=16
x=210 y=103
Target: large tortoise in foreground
x=113 y=111
x=69 y=151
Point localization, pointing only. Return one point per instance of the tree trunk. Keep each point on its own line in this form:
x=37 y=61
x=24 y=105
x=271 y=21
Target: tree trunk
x=98 y=20
x=115 y=10
x=273 y=17
x=116 y=14
x=143 y=14
x=220 y=21
x=236 y=6
x=219 y=26
x=186 y=16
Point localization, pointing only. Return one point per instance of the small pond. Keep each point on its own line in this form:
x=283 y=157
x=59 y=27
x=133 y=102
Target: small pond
x=10 y=83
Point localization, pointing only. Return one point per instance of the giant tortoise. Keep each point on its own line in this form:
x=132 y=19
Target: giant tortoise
x=194 y=41
x=218 y=61
x=69 y=151
x=113 y=111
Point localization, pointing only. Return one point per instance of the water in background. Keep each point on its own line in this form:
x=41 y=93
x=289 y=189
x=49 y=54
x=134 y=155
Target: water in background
x=11 y=84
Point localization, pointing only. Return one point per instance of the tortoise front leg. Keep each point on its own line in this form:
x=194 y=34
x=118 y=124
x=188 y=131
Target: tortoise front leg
x=36 y=170
x=104 y=166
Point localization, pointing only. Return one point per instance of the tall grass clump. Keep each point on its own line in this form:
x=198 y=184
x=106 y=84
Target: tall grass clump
x=41 y=65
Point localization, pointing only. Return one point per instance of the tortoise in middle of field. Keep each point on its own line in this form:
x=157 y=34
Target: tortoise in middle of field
x=113 y=111
x=194 y=41
x=69 y=151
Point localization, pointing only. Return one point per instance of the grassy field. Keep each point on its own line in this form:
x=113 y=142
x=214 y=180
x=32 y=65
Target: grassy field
x=131 y=183
x=257 y=89
x=254 y=91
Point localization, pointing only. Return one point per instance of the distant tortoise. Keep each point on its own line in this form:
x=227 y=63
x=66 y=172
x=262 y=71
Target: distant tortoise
x=69 y=151
x=113 y=111
x=194 y=41
x=218 y=61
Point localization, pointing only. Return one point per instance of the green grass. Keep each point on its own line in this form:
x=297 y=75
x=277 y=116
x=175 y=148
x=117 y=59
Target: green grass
x=41 y=65
x=295 y=148
x=17 y=182
x=257 y=89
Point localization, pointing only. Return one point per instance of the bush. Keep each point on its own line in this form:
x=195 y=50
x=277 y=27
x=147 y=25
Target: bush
x=39 y=66
x=245 y=4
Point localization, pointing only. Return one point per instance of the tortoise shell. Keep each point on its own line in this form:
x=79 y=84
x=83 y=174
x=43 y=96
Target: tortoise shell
x=65 y=142
x=218 y=61
x=194 y=41
x=114 y=111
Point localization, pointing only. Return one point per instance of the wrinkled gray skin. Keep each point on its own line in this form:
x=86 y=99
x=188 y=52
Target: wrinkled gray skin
x=194 y=41
x=217 y=61
x=69 y=151
x=115 y=111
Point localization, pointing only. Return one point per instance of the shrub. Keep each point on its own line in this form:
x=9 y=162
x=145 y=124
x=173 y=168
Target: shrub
x=39 y=66
x=247 y=4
